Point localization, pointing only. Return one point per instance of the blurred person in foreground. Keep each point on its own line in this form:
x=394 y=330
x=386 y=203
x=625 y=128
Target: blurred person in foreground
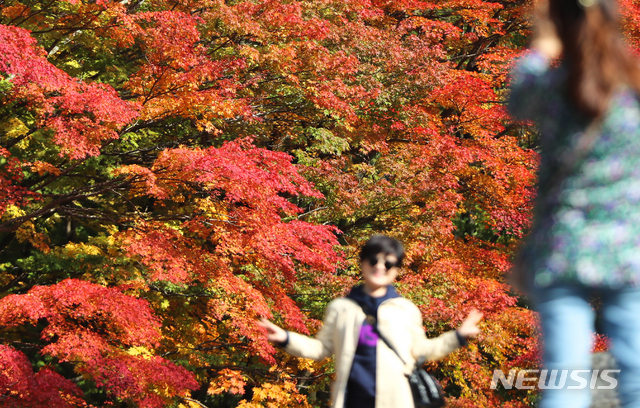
x=585 y=238
x=368 y=373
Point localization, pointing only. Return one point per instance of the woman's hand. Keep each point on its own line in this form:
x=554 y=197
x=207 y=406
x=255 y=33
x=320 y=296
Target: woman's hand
x=469 y=327
x=275 y=333
x=545 y=39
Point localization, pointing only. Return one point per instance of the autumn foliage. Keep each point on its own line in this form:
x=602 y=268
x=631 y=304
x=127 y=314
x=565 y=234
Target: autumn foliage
x=172 y=170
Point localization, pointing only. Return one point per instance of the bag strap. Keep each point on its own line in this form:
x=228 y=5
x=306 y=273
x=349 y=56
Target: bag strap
x=371 y=319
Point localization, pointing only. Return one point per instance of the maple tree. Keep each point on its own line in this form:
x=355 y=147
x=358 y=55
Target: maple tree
x=172 y=170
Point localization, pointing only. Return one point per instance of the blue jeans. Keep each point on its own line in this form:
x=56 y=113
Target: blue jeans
x=567 y=321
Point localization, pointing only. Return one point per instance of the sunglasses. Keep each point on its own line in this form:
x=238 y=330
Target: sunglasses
x=373 y=261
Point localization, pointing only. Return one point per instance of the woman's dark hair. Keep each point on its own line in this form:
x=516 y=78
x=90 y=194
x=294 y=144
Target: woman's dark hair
x=382 y=244
x=595 y=51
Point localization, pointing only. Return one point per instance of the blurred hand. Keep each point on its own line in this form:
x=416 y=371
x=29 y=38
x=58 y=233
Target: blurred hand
x=275 y=333
x=545 y=39
x=469 y=327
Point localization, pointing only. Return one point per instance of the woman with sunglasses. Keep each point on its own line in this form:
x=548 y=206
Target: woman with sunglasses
x=368 y=373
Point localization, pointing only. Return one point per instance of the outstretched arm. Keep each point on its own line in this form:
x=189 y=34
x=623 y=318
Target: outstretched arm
x=439 y=347
x=275 y=334
x=469 y=327
x=300 y=345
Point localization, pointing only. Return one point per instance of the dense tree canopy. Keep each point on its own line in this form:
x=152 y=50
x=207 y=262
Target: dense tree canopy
x=171 y=170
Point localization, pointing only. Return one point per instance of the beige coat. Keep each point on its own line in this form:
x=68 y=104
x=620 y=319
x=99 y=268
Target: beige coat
x=400 y=322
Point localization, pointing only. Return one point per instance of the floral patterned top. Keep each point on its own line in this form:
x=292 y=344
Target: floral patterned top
x=586 y=227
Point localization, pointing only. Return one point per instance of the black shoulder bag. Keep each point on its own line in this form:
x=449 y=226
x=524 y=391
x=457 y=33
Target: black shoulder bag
x=426 y=390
